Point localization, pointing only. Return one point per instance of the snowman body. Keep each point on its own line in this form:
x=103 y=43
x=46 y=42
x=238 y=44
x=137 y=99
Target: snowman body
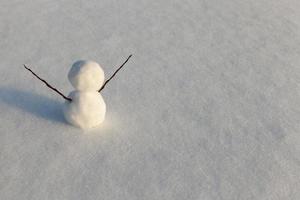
x=87 y=108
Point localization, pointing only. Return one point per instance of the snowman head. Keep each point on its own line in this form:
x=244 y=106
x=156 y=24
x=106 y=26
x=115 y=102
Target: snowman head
x=86 y=75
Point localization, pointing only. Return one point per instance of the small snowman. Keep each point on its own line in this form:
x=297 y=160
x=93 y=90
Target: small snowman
x=84 y=107
x=87 y=108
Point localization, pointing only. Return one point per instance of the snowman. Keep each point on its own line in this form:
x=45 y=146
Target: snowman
x=87 y=108
x=84 y=107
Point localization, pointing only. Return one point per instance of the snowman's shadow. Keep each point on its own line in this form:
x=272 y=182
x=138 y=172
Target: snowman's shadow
x=38 y=105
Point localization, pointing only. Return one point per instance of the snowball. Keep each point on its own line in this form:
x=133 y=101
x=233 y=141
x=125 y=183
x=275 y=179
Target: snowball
x=86 y=75
x=86 y=110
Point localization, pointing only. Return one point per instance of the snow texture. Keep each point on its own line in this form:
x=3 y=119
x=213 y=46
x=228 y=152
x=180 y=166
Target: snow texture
x=207 y=108
x=87 y=108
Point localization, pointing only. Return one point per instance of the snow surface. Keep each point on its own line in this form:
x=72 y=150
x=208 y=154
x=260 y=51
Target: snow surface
x=207 y=108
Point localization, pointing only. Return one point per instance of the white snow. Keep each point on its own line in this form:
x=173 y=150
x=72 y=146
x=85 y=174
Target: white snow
x=207 y=108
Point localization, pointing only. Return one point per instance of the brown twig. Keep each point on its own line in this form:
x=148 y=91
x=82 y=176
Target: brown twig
x=114 y=74
x=48 y=85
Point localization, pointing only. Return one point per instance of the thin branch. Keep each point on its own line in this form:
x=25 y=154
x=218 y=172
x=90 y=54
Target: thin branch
x=48 y=85
x=114 y=74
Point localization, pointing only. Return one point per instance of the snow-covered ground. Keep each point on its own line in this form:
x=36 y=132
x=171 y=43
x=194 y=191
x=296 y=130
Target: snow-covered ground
x=208 y=107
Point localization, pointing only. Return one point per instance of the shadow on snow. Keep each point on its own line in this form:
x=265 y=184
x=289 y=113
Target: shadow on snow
x=35 y=104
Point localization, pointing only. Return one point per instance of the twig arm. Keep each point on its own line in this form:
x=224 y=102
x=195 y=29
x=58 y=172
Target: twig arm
x=114 y=74
x=48 y=85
